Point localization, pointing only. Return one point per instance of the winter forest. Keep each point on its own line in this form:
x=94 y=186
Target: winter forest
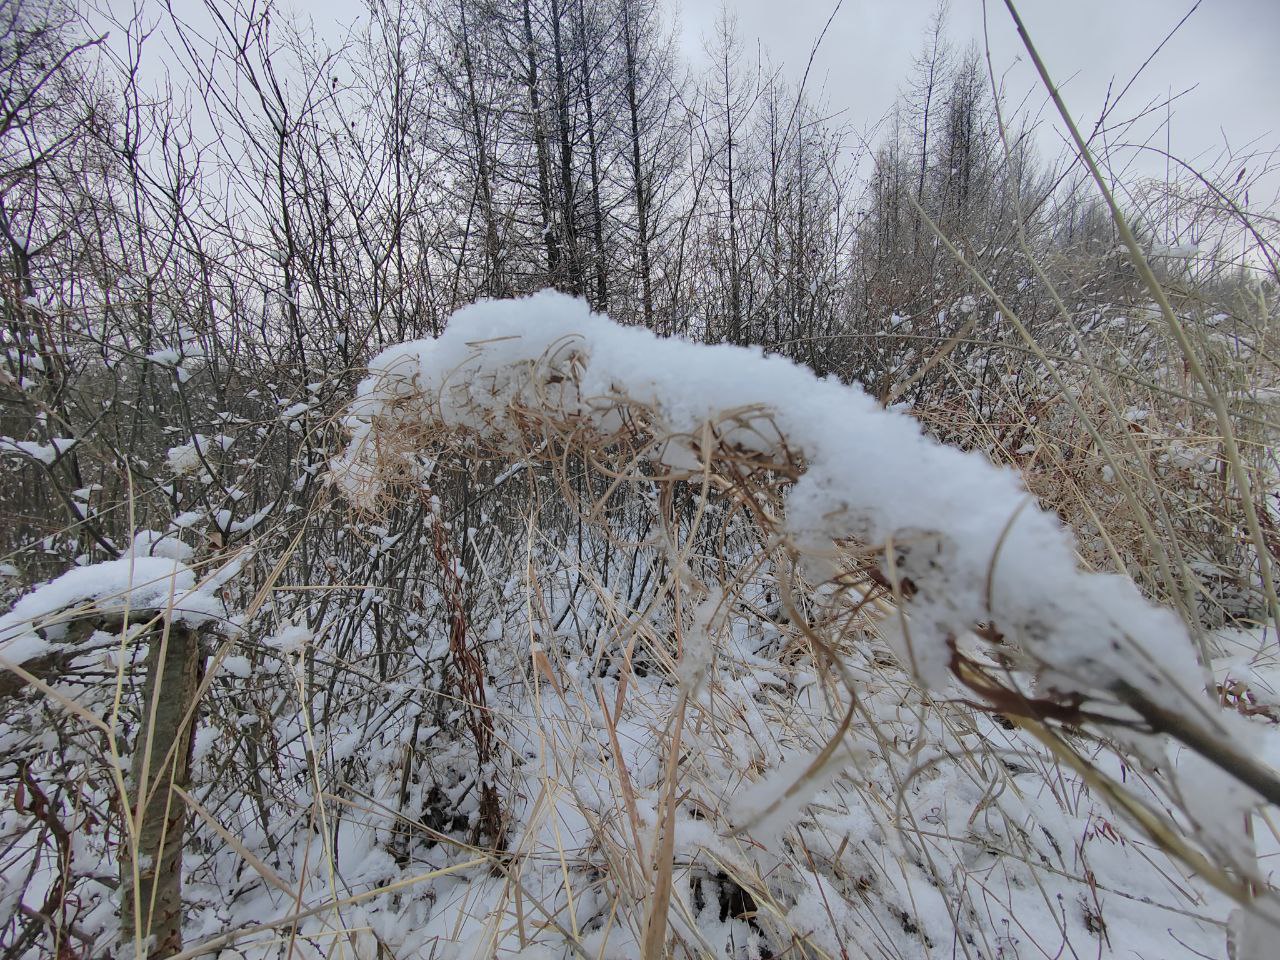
x=487 y=484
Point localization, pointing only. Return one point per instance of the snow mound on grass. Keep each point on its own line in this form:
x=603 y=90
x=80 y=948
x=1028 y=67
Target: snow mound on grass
x=963 y=531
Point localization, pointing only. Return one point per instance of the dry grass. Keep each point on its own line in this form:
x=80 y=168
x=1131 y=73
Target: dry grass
x=718 y=537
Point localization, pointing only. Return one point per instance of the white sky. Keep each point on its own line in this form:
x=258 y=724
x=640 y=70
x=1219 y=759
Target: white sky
x=1228 y=51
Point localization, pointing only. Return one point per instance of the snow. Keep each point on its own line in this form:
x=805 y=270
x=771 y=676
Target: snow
x=774 y=803
x=290 y=638
x=247 y=524
x=132 y=584
x=964 y=531
x=699 y=642
x=188 y=519
x=167 y=357
x=152 y=543
x=187 y=457
x=46 y=453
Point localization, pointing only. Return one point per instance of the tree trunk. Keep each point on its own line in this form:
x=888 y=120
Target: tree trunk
x=540 y=149
x=597 y=218
x=573 y=260
x=637 y=171
x=494 y=284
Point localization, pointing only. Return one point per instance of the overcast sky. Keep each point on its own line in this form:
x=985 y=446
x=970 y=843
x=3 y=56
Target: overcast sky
x=1229 y=51
x=1226 y=58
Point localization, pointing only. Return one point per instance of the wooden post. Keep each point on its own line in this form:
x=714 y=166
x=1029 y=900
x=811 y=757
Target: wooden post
x=151 y=883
